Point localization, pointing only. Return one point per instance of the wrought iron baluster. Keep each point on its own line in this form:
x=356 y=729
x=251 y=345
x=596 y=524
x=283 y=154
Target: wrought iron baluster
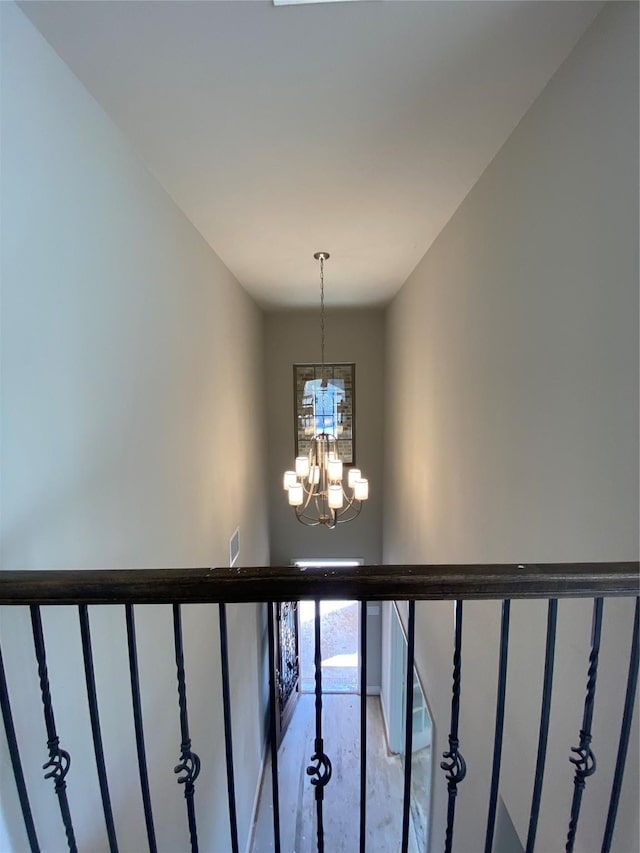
x=189 y=764
x=408 y=726
x=497 y=743
x=321 y=771
x=552 y=616
x=363 y=725
x=92 y=698
x=59 y=760
x=226 y=704
x=625 y=731
x=14 y=755
x=272 y=727
x=139 y=729
x=454 y=765
x=585 y=761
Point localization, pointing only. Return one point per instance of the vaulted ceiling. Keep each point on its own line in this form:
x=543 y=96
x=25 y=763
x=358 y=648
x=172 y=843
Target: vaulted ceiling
x=356 y=128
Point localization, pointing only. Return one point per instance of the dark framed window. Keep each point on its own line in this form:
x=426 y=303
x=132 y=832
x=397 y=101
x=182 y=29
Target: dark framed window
x=325 y=401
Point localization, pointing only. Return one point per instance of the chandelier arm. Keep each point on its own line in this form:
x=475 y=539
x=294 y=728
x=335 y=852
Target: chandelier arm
x=354 y=507
x=351 y=517
x=311 y=497
x=310 y=492
x=306 y=520
x=351 y=501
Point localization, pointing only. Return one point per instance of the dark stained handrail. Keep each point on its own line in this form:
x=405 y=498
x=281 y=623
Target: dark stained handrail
x=286 y=583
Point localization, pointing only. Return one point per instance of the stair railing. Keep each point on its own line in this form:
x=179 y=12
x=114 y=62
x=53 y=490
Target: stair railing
x=457 y=583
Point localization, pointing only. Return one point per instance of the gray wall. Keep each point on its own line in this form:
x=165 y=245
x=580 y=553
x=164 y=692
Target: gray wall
x=132 y=407
x=512 y=428
x=294 y=336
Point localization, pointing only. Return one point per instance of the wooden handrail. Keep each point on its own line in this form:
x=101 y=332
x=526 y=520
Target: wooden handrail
x=286 y=583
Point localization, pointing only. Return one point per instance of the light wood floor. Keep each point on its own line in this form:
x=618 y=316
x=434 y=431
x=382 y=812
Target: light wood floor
x=339 y=633
x=341 y=732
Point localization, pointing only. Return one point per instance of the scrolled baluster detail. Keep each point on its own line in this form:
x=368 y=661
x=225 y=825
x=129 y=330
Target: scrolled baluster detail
x=189 y=764
x=321 y=771
x=59 y=759
x=456 y=770
x=585 y=761
x=454 y=764
x=455 y=767
x=59 y=762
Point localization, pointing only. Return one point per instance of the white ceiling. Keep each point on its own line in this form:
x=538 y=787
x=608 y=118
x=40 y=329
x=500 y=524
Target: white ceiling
x=355 y=128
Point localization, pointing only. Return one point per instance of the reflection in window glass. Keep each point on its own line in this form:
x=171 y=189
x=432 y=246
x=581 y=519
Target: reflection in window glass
x=325 y=403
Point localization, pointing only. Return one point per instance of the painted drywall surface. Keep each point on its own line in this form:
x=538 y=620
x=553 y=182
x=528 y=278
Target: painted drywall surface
x=512 y=431
x=132 y=403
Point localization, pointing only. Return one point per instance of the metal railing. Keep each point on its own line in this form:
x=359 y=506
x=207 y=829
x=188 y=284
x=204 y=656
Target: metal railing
x=364 y=583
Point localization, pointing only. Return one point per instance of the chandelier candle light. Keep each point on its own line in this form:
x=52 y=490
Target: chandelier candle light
x=316 y=490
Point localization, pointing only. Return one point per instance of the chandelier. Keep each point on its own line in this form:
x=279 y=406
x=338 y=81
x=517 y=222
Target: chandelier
x=316 y=488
